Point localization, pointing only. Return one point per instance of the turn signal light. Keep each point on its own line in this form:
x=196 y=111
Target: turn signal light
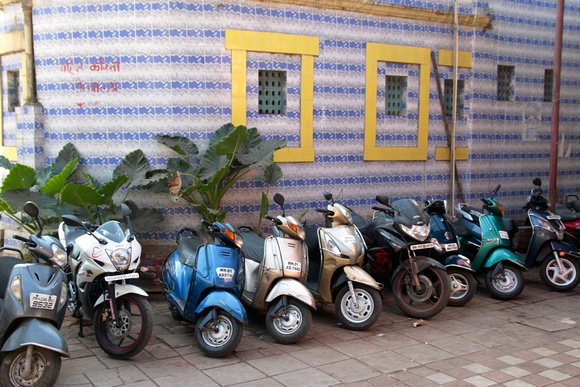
x=561 y=254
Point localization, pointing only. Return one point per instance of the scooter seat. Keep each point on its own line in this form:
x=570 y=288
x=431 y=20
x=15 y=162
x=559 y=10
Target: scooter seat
x=253 y=247
x=566 y=214
x=187 y=250
x=6 y=265
x=460 y=229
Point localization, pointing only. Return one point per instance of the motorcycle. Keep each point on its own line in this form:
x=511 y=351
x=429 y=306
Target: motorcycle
x=484 y=239
x=461 y=275
x=101 y=260
x=570 y=216
x=336 y=253
x=558 y=260
x=420 y=285
x=33 y=299
x=203 y=283
x=276 y=269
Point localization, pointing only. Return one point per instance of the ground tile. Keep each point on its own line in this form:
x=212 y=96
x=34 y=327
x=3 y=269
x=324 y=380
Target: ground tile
x=423 y=353
x=554 y=375
x=516 y=372
x=305 y=378
x=233 y=374
x=274 y=365
x=349 y=371
x=441 y=378
x=387 y=361
x=477 y=368
x=479 y=381
x=319 y=355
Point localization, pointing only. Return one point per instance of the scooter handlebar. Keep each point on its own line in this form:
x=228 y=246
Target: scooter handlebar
x=274 y=220
x=325 y=211
x=21 y=238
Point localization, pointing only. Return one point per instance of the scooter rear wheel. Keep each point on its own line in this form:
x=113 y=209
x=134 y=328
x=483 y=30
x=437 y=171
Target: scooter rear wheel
x=289 y=327
x=463 y=286
x=45 y=368
x=362 y=314
x=553 y=279
x=507 y=287
x=219 y=338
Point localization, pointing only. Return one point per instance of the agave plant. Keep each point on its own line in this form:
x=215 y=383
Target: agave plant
x=202 y=180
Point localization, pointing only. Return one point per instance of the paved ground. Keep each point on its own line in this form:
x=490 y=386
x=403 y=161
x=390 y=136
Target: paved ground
x=534 y=340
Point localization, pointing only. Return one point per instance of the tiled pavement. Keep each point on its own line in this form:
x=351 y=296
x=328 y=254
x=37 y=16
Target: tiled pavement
x=533 y=340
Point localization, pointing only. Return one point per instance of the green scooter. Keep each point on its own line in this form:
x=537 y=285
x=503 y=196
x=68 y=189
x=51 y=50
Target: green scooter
x=484 y=239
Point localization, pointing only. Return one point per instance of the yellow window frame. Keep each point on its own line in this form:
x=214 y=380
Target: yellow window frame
x=240 y=42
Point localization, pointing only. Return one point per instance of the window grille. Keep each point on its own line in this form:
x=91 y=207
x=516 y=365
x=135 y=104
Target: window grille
x=548 y=85
x=13 y=89
x=505 y=83
x=395 y=95
x=271 y=92
x=448 y=97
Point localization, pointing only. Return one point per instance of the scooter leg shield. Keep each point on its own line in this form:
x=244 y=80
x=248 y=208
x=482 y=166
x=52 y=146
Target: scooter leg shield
x=39 y=333
x=226 y=301
x=501 y=254
x=292 y=288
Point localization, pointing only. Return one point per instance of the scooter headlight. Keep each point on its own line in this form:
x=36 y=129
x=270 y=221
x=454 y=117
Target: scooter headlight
x=331 y=245
x=16 y=288
x=418 y=232
x=58 y=255
x=121 y=258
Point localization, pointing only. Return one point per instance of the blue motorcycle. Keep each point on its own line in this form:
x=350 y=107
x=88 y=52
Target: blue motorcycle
x=203 y=283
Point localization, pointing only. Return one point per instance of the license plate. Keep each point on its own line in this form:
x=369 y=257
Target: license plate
x=451 y=247
x=553 y=217
x=292 y=266
x=42 y=301
x=119 y=277
x=504 y=235
x=422 y=246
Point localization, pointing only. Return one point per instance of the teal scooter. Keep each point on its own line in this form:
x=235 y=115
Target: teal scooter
x=484 y=239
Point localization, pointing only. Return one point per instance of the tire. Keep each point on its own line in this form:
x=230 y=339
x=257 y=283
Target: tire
x=427 y=301
x=463 y=286
x=45 y=368
x=506 y=288
x=219 y=340
x=132 y=336
x=550 y=273
x=363 y=316
x=175 y=314
x=291 y=327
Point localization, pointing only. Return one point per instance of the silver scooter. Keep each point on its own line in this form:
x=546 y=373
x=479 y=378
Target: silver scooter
x=276 y=269
x=33 y=300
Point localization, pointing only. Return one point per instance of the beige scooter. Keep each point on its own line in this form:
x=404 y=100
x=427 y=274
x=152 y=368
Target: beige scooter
x=276 y=269
x=336 y=254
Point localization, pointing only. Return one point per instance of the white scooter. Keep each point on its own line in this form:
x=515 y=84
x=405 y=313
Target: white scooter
x=276 y=269
x=101 y=259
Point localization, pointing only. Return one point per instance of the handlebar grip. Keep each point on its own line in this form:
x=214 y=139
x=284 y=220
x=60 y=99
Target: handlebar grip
x=21 y=238
x=268 y=217
x=379 y=208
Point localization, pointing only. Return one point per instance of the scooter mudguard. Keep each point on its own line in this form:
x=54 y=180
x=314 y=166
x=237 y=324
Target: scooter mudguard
x=121 y=290
x=36 y=332
x=457 y=261
x=501 y=254
x=355 y=274
x=292 y=288
x=226 y=301
x=566 y=248
x=421 y=262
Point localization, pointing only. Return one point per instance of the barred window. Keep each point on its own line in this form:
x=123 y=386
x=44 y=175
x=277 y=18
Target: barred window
x=271 y=92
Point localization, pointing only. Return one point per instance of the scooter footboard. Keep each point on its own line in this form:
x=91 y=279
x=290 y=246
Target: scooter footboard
x=226 y=301
x=293 y=288
x=39 y=333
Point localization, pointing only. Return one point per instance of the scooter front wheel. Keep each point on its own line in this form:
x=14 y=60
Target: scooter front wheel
x=360 y=312
x=463 y=286
x=219 y=337
x=507 y=285
x=556 y=279
x=130 y=332
x=44 y=370
x=426 y=300
x=290 y=326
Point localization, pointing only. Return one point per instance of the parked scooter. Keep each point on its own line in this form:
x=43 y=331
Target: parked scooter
x=101 y=260
x=33 y=299
x=276 y=269
x=420 y=285
x=558 y=261
x=336 y=253
x=570 y=216
x=446 y=251
x=485 y=241
x=203 y=283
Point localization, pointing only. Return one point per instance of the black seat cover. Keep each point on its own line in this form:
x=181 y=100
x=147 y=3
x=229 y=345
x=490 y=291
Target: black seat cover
x=566 y=214
x=253 y=247
x=187 y=250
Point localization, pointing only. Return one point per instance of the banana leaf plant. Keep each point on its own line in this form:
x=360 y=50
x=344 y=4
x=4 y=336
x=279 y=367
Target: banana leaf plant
x=202 y=180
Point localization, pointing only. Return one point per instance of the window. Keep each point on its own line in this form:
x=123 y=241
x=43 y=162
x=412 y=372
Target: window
x=395 y=96
x=448 y=97
x=13 y=89
x=548 y=85
x=505 y=83
x=271 y=92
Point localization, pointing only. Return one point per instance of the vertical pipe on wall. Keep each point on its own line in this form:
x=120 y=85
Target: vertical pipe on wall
x=556 y=104
x=454 y=111
x=30 y=77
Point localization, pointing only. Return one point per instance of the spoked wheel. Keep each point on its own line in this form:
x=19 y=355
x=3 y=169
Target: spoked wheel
x=219 y=337
x=126 y=337
x=559 y=278
x=463 y=286
x=44 y=368
x=506 y=285
x=424 y=301
x=291 y=326
x=360 y=312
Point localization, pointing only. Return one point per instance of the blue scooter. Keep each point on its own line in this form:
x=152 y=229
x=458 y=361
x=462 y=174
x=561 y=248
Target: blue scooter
x=203 y=283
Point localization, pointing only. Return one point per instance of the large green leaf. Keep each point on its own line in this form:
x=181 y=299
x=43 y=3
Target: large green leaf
x=135 y=166
x=221 y=132
x=108 y=189
x=211 y=163
x=81 y=195
x=19 y=177
x=56 y=183
x=91 y=180
x=43 y=175
x=272 y=173
x=180 y=144
x=254 y=139
x=5 y=163
x=16 y=199
x=264 y=205
x=143 y=218
x=67 y=154
x=230 y=143
x=263 y=154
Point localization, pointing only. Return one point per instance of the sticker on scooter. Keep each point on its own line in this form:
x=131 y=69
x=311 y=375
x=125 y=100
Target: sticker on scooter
x=227 y=273
x=422 y=246
x=42 y=301
x=451 y=247
x=349 y=239
x=504 y=235
x=292 y=266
